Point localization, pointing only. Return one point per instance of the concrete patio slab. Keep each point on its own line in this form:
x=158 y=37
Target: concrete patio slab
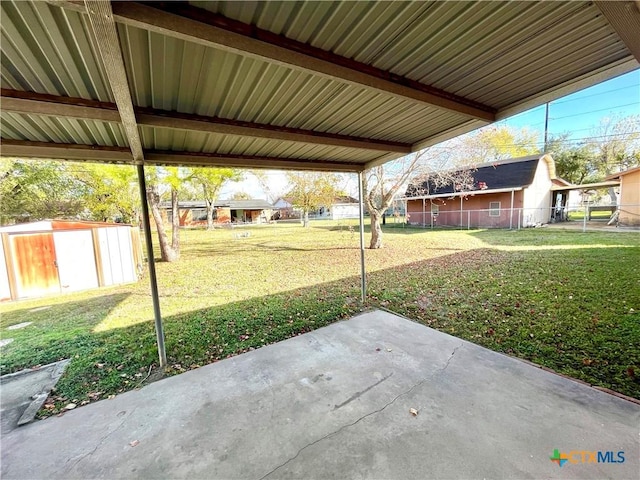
x=23 y=393
x=335 y=403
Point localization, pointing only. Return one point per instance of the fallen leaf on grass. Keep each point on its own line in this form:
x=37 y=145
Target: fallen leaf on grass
x=413 y=412
x=134 y=443
x=70 y=406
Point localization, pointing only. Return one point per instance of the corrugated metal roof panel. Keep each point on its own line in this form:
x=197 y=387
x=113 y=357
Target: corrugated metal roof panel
x=50 y=50
x=474 y=49
x=227 y=85
x=18 y=126
x=499 y=53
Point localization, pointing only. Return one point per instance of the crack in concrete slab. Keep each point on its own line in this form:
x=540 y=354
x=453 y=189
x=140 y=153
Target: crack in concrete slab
x=100 y=443
x=336 y=432
x=359 y=394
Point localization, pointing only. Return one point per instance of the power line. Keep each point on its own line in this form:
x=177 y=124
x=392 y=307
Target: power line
x=594 y=111
x=558 y=102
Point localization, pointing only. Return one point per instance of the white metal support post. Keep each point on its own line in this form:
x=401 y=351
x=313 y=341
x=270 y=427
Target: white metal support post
x=142 y=185
x=511 y=211
x=363 y=277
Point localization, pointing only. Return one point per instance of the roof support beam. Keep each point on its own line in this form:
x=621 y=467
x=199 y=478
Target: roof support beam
x=104 y=28
x=55 y=106
x=158 y=157
x=65 y=151
x=175 y=120
x=183 y=21
x=96 y=153
x=42 y=104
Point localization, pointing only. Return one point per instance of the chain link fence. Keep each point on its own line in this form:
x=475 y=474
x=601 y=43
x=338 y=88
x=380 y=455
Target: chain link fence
x=517 y=218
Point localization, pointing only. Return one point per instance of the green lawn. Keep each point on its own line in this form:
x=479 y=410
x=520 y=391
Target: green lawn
x=565 y=300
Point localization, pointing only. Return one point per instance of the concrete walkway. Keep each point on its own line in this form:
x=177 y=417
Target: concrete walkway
x=335 y=403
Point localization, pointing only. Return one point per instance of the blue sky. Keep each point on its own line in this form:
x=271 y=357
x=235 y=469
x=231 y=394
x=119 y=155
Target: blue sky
x=579 y=112
x=575 y=114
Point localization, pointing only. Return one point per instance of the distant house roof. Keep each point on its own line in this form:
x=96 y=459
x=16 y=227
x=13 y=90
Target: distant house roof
x=258 y=204
x=254 y=204
x=344 y=199
x=488 y=177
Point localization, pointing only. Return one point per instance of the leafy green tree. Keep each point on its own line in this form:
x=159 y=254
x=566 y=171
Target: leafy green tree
x=614 y=146
x=110 y=191
x=211 y=180
x=491 y=144
x=33 y=190
x=312 y=190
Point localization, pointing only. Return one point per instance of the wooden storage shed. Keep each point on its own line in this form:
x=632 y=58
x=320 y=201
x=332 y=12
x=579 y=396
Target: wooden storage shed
x=56 y=256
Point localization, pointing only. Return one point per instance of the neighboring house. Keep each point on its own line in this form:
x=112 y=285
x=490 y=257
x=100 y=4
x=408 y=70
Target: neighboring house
x=284 y=209
x=505 y=194
x=58 y=256
x=629 y=198
x=343 y=207
x=194 y=213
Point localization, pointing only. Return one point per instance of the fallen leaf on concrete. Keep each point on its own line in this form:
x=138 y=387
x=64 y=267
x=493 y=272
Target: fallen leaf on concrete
x=413 y=412
x=70 y=406
x=134 y=443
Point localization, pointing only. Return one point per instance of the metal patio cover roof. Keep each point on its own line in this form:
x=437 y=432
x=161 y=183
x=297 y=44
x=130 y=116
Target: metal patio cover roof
x=304 y=85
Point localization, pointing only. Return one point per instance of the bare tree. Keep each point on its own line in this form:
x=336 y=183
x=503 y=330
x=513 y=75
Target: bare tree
x=167 y=252
x=419 y=172
x=615 y=144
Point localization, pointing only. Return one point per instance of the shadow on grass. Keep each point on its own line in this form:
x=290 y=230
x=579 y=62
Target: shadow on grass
x=573 y=317
x=53 y=331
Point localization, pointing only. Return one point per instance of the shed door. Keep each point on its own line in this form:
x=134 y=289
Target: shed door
x=76 y=260
x=34 y=259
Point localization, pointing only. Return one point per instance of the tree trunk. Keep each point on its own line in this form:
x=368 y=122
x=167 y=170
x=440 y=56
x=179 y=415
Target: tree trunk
x=305 y=219
x=613 y=196
x=376 y=229
x=175 y=224
x=209 y=214
x=167 y=253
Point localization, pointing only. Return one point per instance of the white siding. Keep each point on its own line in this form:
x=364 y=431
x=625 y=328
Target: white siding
x=116 y=255
x=76 y=260
x=537 y=197
x=350 y=210
x=5 y=292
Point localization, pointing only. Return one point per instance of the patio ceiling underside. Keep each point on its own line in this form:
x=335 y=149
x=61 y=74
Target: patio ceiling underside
x=304 y=85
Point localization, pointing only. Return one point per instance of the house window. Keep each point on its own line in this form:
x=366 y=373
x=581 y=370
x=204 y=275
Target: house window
x=494 y=209
x=435 y=209
x=200 y=214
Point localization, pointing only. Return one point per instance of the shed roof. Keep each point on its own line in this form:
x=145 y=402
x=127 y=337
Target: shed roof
x=503 y=176
x=50 y=225
x=616 y=176
x=305 y=85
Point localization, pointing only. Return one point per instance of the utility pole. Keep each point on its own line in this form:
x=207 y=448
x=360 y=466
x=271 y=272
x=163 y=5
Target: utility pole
x=546 y=126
